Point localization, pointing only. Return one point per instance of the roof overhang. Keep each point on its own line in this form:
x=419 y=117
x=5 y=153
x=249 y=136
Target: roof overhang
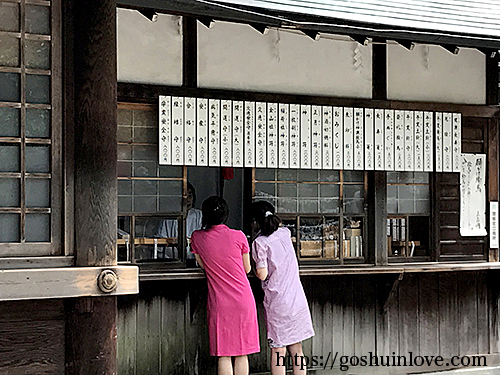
x=465 y=23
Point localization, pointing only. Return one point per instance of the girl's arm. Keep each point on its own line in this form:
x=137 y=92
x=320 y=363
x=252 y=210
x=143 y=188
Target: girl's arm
x=246 y=262
x=198 y=259
x=261 y=273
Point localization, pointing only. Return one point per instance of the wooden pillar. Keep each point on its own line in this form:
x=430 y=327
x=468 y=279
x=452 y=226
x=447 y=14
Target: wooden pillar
x=189 y=52
x=379 y=69
x=91 y=322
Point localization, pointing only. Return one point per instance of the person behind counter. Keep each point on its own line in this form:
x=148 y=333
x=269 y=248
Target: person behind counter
x=288 y=320
x=169 y=228
x=231 y=311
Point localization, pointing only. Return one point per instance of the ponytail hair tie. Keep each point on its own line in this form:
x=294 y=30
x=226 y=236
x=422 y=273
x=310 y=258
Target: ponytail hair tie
x=268 y=213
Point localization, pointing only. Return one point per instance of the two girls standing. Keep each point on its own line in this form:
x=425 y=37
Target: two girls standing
x=231 y=310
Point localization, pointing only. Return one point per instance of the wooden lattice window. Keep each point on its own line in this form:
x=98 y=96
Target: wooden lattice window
x=30 y=128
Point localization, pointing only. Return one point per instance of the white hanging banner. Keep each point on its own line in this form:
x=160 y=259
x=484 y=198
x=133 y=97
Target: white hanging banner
x=359 y=139
x=190 y=131
x=494 y=225
x=165 y=130
x=379 y=140
x=283 y=137
x=428 y=144
x=447 y=143
x=419 y=141
x=369 y=139
x=294 y=136
x=214 y=132
x=202 y=131
x=272 y=135
x=249 y=134
x=439 y=142
x=177 y=130
x=260 y=135
x=327 y=137
x=457 y=140
x=473 y=195
x=225 y=133
x=316 y=130
x=389 y=139
x=348 y=138
x=399 y=140
x=238 y=133
x=305 y=136
x=338 y=138
x=409 y=143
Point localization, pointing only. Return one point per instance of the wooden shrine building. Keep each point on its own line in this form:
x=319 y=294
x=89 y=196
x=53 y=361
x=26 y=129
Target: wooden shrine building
x=371 y=126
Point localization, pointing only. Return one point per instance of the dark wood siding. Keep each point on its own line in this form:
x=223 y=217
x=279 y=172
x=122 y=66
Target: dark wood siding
x=443 y=314
x=451 y=244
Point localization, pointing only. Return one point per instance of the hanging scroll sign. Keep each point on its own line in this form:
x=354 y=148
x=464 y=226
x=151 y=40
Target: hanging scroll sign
x=473 y=195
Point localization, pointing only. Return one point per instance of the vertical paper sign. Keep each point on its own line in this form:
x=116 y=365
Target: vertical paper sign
x=399 y=140
x=260 y=135
x=359 y=146
x=294 y=136
x=190 y=131
x=305 y=136
x=202 y=132
x=272 y=135
x=238 y=134
x=457 y=141
x=338 y=138
x=379 y=140
x=327 y=136
x=439 y=142
x=428 y=142
x=409 y=142
x=389 y=139
x=177 y=130
x=447 y=143
x=249 y=134
x=225 y=133
x=316 y=143
x=473 y=195
x=369 y=139
x=214 y=132
x=348 y=138
x=419 y=141
x=493 y=225
x=165 y=130
x=283 y=126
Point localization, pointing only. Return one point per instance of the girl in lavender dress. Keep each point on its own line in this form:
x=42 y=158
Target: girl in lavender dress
x=288 y=320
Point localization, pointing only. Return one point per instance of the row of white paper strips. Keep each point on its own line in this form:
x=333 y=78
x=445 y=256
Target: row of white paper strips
x=231 y=133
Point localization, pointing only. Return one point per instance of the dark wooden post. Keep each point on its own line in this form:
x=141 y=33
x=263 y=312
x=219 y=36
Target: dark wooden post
x=91 y=322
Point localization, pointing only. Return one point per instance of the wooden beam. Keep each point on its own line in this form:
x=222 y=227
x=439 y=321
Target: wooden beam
x=379 y=69
x=144 y=93
x=189 y=52
x=40 y=283
x=493 y=160
x=492 y=79
x=377 y=201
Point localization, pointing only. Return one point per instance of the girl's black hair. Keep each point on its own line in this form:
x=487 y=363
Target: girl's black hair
x=263 y=214
x=215 y=211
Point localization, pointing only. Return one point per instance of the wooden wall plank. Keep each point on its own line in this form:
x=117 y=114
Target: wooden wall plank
x=428 y=314
x=409 y=334
x=483 y=323
x=448 y=316
x=148 y=335
x=364 y=315
x=467 y=310
x=127 y=334
x=348 y=339
x=174 y=322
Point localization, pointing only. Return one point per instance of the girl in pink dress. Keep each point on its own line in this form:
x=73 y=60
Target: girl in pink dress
x=288 y=320
x=232 y=316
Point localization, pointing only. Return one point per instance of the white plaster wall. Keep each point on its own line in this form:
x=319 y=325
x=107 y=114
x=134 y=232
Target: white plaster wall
x=431 y=73
x=149 y=52
x=235 y=56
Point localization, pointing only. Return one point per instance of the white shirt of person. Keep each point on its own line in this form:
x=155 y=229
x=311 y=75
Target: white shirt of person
x=169 y=228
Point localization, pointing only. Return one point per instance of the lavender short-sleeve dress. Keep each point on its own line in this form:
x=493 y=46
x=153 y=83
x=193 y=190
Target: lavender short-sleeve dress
x=288 y=320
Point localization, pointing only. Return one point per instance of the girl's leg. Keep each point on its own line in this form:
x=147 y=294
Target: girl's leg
x=225 y=366
x=241 y=365
x=278 y=361
x=299 y=361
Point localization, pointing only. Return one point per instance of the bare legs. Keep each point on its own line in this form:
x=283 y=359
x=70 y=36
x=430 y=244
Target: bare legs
x=278 y=360
x=240 y=365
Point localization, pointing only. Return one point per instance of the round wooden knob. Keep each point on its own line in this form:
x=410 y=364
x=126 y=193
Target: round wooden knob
x=107 y=281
